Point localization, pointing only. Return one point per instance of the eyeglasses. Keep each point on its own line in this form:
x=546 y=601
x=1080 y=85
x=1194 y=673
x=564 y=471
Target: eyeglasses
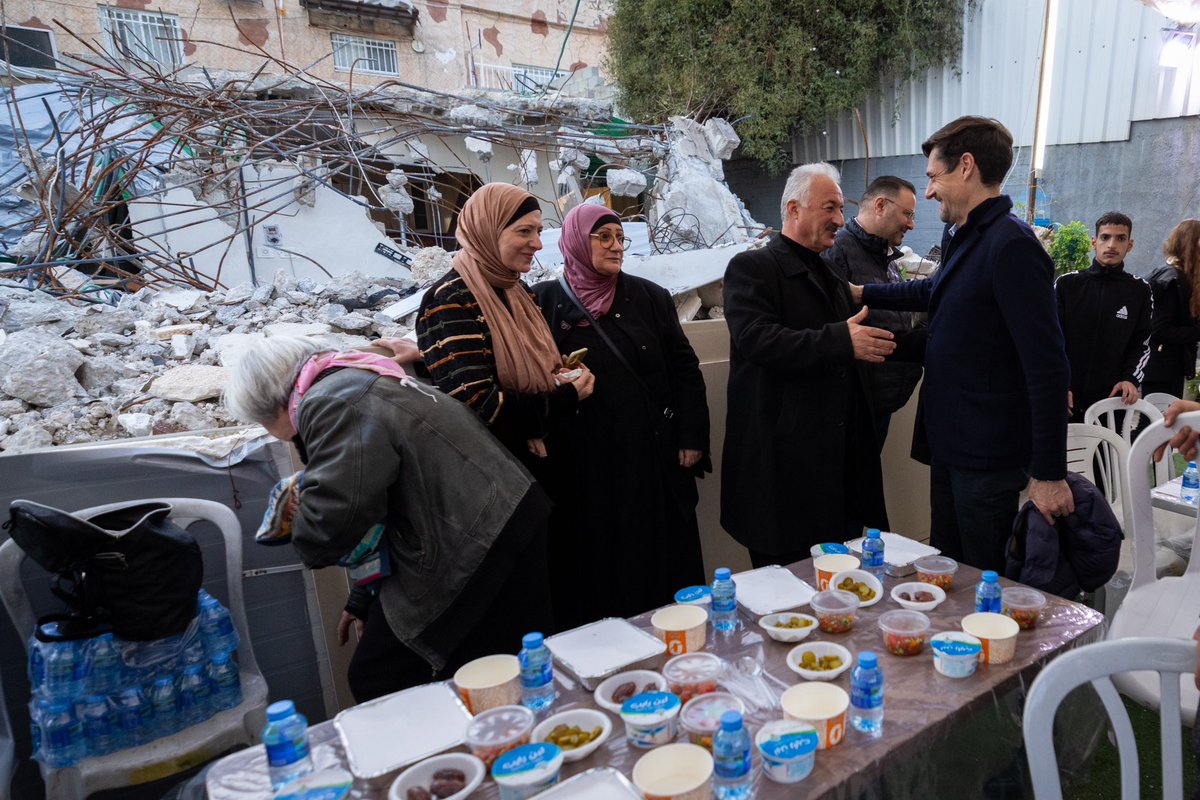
x=607 y=240
x=911 y=215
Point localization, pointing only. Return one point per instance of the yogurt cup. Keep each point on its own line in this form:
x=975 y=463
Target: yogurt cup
x=651 y=718
x=821 y=705
x=489 y=682
x=498 y=730
x=695 y=596
x=1023 y=604
x=996 y=632
x=682 y=628
x=675 y=772
x=938 y=570
x=955 y=654
x=701 y=717
x=527 y=770
x=691 y=674
x=829 y=565
x=828 y=549
x=787 y=750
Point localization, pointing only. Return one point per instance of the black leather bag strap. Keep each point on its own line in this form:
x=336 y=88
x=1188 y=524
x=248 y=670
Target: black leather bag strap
x=566 y=287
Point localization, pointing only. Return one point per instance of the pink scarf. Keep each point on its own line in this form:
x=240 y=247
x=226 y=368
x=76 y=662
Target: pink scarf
x=594 y=290
x=327 y=360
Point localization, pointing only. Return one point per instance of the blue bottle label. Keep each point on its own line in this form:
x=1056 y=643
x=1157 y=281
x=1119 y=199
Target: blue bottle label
x=866 y=695
x=537 y=678
x=733 y=765
x=288 y=751
x=61 y=736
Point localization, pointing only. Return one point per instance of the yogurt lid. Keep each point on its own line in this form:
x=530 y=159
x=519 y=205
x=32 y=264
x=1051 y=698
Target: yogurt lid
x=692 y=668
x=693 y=594
x=500 y=724
x=527 y=764
x=703 y=713
x=956 y=644
x=785 y=739
x=650 y=706
x=829 y=548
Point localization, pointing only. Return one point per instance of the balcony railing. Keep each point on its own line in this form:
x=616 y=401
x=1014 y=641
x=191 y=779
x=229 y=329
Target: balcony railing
x=516 y=78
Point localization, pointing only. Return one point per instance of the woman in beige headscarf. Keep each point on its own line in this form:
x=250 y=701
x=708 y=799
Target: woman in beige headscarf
x=483 y=339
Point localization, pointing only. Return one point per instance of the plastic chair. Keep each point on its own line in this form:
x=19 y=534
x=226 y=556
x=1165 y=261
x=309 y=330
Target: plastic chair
x=1160 y=400
x=1101 y=456
x=1155 y=606
x=1113 y=414
x=191 y=746
x=1175 y=663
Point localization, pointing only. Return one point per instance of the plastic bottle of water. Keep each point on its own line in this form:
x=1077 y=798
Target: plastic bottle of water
x=195 y=695
x=37 y=715
x=98 y=725
x=537 y=674
x=226 y=685
x=64 y=669
x=1191 y=484
x=104 y=675
x=724 y=601
x=216 y=626
x=732 y=779
x=987 y=592
x=37 y=665
x=866 y=695
x=872 y=554
x=286 y=740
x=62 y=736
x=164 y=703
x=133 y=718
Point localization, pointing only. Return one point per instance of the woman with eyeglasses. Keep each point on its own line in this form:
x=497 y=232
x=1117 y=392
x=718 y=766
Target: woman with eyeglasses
x=630 y=457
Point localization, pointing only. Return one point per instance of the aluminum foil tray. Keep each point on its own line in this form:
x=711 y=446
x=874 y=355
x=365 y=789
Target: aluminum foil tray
x=598 y=650
x=388 y=733
x=768 y=590
x=601 y=783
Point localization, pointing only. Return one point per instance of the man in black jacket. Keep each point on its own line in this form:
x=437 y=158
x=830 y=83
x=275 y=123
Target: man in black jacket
x=801 y=465
x=865 y=251
x=1105 y=315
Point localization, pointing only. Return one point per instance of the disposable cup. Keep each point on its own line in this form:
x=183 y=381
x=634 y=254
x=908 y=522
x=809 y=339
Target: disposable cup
x=489 y=682
x=822 y=705
x=675 y=772
x=830 y=565
x=682 y=627
x=996 y=632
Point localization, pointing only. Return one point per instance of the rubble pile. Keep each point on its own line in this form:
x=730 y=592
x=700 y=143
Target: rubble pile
x=156 y=362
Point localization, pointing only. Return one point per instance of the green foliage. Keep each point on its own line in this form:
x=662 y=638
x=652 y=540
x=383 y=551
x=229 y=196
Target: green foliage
x=1071 y=248
x=776 y=63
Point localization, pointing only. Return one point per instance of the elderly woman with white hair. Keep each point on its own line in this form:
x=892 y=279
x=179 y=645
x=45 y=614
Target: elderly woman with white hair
x=801 y=464
x=463 y=523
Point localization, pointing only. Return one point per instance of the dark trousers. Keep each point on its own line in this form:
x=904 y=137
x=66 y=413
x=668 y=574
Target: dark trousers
x=507 y=597
x=972 y=512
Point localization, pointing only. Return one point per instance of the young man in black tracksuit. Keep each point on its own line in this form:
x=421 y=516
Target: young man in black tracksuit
x=1105 y=315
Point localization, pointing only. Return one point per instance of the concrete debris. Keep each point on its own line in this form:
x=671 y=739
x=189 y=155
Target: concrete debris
x=625 y=182
x=482 y=148
x=394 y=195
x=156 y=363
x=429 y=264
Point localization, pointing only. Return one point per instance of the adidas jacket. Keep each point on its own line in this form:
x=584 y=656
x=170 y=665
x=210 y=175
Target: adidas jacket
x=1106 y=316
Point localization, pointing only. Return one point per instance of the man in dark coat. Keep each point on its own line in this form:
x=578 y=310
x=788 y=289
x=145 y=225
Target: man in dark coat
x=865 y=251
x=993 y=406
x=801 y=465
x=1106 y=316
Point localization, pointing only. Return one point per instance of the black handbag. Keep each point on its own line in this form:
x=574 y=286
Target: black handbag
x=130 y=567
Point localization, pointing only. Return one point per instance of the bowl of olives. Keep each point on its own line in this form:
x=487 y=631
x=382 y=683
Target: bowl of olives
x=788 y=626
x=819 y=661
x=860 y=583
x=577 y=731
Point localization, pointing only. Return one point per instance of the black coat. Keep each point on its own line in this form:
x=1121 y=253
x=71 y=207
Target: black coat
x=1175 y=330
x=800 y=458
x=625 y=524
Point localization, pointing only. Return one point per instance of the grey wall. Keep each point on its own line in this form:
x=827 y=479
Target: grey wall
x=1152 y=178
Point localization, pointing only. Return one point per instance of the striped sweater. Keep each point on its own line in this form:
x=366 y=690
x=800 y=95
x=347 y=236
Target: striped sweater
x=456 y=344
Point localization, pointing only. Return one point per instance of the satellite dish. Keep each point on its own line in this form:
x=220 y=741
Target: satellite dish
x=418 y=46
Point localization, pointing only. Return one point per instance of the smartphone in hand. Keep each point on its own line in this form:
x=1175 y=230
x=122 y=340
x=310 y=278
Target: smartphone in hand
x=575 y=359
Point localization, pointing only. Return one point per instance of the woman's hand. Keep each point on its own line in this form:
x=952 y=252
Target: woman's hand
x=688 y=458
x=343 y=628
x=1184 y=440
x=585 y=382
x=405 y=351
x=537 y=447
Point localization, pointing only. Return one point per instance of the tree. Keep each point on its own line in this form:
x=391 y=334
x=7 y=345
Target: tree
x=773 y=64
x=1072 y=247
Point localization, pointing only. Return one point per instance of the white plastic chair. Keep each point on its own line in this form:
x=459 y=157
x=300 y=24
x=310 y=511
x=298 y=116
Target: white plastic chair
x=1101 y=456
x=1155 y=606
x=191 y=746
x=1099 y=664
x=1160 y=400
x=1113 y=414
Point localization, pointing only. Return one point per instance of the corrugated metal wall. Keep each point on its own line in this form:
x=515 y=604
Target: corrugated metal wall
x=1106 y=75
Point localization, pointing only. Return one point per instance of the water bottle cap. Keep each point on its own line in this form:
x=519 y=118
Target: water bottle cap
x=990 y=576
x=872 y=533
x=722 y=573
x=731 y=721
x=531 y=641
x=868 y=660
x=281 y=709
x=1192 y=464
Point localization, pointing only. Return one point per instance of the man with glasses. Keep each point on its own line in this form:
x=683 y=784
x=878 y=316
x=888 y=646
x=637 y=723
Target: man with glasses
x=800 y=464
x=865 y=251
x=993 y=415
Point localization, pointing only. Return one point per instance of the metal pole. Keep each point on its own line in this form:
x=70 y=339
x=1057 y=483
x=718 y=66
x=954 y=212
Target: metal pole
x=1038 y=133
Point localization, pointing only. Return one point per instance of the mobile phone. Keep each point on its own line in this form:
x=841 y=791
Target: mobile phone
x=575 y=359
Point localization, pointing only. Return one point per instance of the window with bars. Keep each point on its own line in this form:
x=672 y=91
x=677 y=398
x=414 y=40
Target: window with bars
x=143 y=35
x=361 y=54
x=527 y=77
